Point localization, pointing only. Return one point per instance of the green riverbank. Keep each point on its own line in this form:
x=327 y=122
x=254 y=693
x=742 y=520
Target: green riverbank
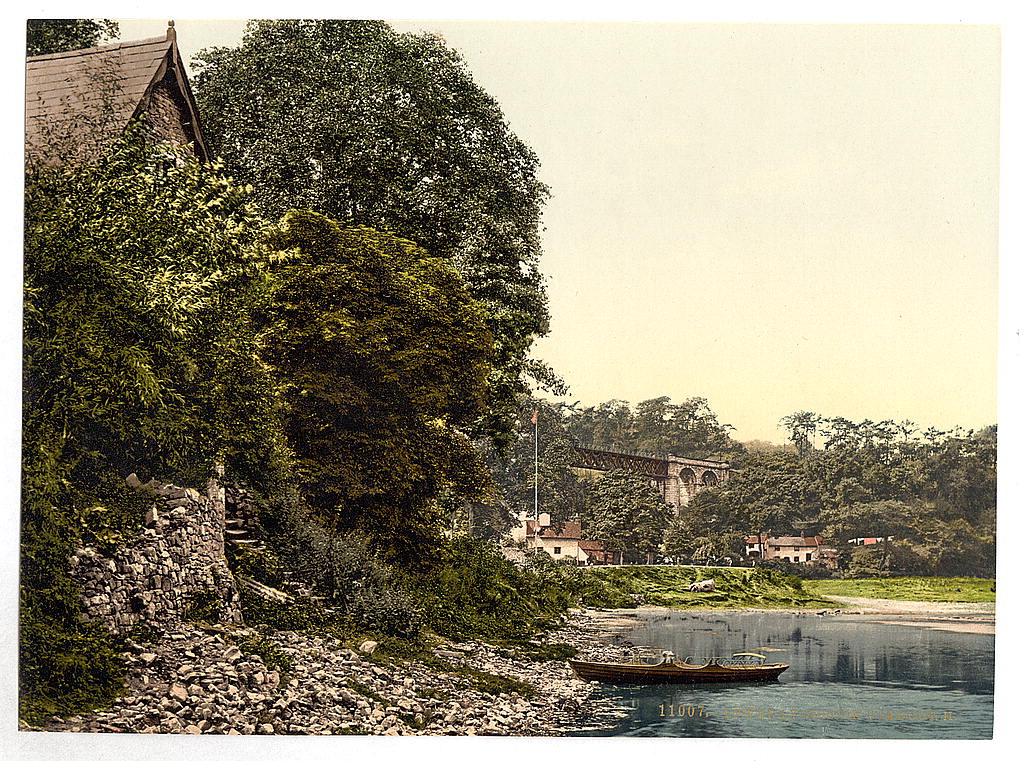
x=920 y=588
x=734 y=587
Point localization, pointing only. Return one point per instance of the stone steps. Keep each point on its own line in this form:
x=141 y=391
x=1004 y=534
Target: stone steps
x=267 y=593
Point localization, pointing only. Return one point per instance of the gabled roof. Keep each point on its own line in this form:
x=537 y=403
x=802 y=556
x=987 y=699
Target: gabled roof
x=794 y=541
x=85 y=98
x=566 y=530
x=785 y=541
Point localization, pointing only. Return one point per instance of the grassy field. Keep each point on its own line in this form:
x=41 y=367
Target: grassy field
x=923 y=588
x=734 y=587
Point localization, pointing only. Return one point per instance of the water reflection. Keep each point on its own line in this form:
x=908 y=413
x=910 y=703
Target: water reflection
x=847 y=678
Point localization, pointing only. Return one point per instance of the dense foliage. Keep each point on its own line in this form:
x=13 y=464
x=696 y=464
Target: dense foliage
x=658 y=426
x=388 y=130
x=57 y=35
x=472 y=592
x=137 y=357
x=475 y=593
x=382 y=358
x=934 y=492
x=627 y=512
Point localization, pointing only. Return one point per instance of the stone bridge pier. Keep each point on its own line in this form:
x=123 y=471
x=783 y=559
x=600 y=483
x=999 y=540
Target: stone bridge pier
x=686 y=477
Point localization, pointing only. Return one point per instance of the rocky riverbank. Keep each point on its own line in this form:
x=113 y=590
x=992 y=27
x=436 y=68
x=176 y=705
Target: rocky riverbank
x=200 y=681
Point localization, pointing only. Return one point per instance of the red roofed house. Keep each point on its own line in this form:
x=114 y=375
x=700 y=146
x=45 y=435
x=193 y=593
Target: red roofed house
x=595 y=552
x=78 y=102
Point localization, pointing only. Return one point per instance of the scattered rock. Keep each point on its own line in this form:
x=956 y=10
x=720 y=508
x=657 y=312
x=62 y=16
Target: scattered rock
x=197 y=681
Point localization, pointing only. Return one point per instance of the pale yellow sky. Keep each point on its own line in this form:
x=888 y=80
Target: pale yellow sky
x=775 y=217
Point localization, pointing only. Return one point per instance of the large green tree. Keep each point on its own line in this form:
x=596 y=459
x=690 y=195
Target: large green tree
x=769 y=494
x=382 y=357
x=57 y=35
x=388 y=130
x=138 y=348
x=627 y=513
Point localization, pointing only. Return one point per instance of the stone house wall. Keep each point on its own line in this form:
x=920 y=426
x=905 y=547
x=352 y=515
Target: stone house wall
x=166 y=115
x=153 y=578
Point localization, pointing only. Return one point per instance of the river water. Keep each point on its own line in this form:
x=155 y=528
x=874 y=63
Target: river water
x=849 y=677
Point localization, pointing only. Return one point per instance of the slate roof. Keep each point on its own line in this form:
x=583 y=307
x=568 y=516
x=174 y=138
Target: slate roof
x=84 y=98
x=794 y=541
x=786 y=541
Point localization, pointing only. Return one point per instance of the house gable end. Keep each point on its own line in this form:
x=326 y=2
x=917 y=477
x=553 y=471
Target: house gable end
x=78 y=102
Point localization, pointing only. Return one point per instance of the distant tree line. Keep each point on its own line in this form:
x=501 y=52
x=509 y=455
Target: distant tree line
x=933 y=491
x=623 y=510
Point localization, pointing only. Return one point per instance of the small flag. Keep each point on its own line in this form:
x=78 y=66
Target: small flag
x=534 y=420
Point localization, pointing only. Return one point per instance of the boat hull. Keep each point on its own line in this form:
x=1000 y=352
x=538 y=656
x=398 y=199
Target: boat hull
x=674 y=673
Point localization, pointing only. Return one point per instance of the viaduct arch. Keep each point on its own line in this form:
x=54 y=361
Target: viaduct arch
x=678 y=478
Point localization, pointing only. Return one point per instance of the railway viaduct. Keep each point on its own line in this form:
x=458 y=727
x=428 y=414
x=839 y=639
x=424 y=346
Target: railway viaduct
x=678 y=478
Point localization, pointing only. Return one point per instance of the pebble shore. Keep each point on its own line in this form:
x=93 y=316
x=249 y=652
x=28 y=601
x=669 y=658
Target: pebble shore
x=197 y=681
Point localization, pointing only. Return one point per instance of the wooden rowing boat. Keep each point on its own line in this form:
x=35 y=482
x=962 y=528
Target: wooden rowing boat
x=739 y=668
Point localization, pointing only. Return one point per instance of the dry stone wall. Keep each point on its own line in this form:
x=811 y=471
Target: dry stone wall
x=176 y=559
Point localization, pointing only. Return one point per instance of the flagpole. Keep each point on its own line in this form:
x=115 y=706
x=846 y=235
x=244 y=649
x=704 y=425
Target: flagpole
x=536 y=503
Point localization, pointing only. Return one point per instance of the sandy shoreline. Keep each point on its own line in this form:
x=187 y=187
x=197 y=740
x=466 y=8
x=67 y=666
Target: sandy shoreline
x=965 y=617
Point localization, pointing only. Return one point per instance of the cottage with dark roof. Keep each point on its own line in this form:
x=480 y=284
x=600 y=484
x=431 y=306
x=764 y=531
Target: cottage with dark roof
x=561 y=540
x=78 y=102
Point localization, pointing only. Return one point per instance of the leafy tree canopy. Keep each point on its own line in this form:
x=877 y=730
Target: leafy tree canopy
x=57 y=35
x=627 y=512
x=137 y=342
x=382 y=357
x=689 y=429
x=769 y=494
x=389 y=131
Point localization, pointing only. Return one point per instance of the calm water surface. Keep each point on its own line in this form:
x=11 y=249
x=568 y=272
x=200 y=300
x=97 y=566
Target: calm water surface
x=848 y=677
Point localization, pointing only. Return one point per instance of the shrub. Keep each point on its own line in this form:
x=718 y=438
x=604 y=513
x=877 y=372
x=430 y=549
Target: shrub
x=260 y=564
x=203 y=605
x=64 y=667
x=477 y=593
x=272 y=655
x=384 y=610
x=300 y=615
x=800 y=570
